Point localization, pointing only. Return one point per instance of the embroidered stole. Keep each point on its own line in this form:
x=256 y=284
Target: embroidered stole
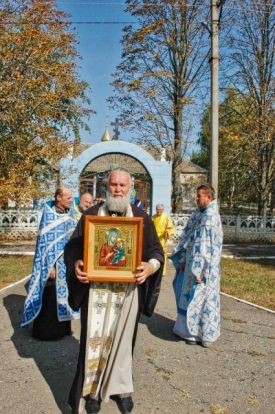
x=105 y=303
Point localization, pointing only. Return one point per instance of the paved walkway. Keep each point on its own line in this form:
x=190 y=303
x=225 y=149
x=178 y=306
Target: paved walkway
x=235 y=376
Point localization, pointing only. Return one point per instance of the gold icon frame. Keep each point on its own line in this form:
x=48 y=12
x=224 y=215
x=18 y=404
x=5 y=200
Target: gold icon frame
x=112 y=248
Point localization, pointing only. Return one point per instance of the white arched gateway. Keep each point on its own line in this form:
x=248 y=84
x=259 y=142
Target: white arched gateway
x=104 y=156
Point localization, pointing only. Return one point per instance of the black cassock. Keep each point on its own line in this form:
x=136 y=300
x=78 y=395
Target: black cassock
x=148 y=292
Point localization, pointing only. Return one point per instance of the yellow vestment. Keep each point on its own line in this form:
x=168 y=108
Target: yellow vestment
x=165 y=229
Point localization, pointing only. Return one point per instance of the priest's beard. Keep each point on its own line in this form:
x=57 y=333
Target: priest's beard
x=118 y=204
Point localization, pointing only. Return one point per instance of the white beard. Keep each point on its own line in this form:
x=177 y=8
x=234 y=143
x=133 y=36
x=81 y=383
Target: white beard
x=118 y=204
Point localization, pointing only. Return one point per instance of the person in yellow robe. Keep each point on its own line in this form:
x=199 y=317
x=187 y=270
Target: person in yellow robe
x=165 y=229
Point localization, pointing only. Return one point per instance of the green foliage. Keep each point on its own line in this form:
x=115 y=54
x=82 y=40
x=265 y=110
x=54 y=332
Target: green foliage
x=253 y=67
x=238 y=149
x=202 y=157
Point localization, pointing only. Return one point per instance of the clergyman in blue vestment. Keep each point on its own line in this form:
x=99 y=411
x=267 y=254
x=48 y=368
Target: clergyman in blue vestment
x=197 y=282
x=47 y=302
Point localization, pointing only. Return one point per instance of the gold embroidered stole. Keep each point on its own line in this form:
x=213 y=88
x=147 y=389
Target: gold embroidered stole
x=105 y=303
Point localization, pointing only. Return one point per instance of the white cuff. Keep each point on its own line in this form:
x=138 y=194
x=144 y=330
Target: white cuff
x=155 y=263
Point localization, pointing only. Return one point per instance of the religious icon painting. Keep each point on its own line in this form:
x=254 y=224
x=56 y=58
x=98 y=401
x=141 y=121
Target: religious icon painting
x=112 y=248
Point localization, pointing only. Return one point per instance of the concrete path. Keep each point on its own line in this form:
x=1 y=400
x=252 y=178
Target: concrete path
x=235 y=376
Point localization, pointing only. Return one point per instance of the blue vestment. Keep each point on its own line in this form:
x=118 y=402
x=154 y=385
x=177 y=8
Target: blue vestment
x=199 y=248
x=54 y=232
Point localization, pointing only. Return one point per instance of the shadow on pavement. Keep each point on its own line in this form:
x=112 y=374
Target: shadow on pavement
x=161 y=327
x=56 y=360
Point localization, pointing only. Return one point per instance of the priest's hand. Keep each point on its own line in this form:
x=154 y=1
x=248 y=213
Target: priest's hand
x=181 y=267
x=52 y=273
x=81 y=276
x=145 y=270
x=199 y=280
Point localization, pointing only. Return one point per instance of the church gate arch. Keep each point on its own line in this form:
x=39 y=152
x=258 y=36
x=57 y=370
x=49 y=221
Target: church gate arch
x=93 y=177
x=159 y=171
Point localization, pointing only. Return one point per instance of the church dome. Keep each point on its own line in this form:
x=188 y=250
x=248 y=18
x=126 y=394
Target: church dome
x=106 y=135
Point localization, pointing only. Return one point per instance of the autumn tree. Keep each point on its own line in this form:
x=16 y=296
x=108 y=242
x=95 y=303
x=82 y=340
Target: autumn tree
x=237 y=155
x=163 y=62
x=252 y=43
x=42 y=98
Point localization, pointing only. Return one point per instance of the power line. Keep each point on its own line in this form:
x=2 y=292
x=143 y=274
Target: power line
x=231 y=6
x=147 y=4
x=98 y=22
x=67 y=22
x=93 y=3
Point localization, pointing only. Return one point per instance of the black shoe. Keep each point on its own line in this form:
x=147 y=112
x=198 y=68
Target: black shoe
x=92 y=406
x=125 y=404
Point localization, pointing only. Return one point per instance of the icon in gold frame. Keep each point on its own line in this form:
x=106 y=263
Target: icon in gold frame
x=112 y=248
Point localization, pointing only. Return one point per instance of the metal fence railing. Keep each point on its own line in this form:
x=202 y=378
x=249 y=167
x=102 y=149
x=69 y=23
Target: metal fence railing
x=17 y=224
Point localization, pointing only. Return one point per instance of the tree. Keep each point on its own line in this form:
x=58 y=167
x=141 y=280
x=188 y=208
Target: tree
x=202 y=156
x=42 y=98
x=237 y=151
x=252 y=56
x=163 y=62
x=247 y=136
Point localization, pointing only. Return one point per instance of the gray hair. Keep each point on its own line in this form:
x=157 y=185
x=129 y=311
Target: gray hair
x=86 y=193
x=119 y=170
x=160 y=206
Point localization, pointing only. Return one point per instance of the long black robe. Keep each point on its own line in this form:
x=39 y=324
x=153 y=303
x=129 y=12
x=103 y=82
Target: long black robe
x=46 y=325
x=148 y=292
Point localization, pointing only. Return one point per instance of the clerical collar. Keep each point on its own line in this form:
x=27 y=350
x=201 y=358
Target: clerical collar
x=202 y=209
x=116 y=213
x=60 y=210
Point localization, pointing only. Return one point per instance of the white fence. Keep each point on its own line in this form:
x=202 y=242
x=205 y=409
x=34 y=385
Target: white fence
x=19 y=224
x=237 y=228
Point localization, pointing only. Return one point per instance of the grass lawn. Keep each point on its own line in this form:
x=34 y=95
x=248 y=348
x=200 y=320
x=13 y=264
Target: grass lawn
x=14 y=268
x=252 y=280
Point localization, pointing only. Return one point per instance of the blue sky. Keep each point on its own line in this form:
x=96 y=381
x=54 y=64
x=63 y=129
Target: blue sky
x=100 y=50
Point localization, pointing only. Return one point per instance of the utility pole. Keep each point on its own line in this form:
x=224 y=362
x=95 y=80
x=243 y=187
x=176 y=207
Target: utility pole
x=214 y=145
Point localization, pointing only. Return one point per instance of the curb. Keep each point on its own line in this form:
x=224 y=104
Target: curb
x=14 y=284
x=247 y=303
x=231 y=256
x=16 y=253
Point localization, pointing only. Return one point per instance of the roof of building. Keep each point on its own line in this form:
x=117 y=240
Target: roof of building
x=186 y=166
